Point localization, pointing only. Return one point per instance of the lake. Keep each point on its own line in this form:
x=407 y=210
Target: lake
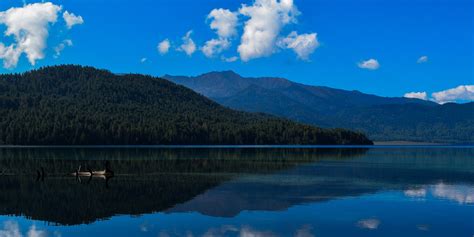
x=238 y=191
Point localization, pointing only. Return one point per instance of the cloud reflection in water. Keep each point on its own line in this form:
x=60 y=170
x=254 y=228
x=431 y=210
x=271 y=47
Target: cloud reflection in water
x=12 y=229
x=462 y=194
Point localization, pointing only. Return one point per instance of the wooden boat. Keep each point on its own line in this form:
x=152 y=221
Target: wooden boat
x=80 y=173
x=107 y=172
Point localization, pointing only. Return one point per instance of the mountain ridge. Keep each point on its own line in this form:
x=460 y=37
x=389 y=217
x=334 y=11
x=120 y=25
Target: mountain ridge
x=330 y=107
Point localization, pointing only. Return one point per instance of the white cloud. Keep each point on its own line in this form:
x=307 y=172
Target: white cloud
x=224 y=22
x=266 y=19
x=61 y=46
x=370 y=224
x=463 y=92
x=422 y=59
x=10 y=55
x=371 y=64
x=143 y=60
x=72 y=19
x=188 y=46
x=29 y=27
x=214 y=47
x=230 y=59
x=303 y=45
x=417 y=95
x=263 y=22
x=164 y=46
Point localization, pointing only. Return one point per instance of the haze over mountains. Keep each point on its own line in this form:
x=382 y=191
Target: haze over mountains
x=382 y=118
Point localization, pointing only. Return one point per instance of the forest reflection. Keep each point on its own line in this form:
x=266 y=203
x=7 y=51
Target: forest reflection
x=215 y=182
x=145 y=180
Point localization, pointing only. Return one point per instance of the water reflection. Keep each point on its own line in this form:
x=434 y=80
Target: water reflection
x=370 y=224
x=12 y=229
x=330 y=179
x=145 y=180
x=237 y=184
x=462 y=194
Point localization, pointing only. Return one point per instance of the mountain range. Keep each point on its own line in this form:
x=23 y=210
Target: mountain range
x=75 y=105
x=381 y=118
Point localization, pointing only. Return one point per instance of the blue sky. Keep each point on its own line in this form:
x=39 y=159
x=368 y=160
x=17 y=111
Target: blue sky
x=118 y=34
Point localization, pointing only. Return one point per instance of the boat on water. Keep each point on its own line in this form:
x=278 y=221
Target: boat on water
x=107 y=172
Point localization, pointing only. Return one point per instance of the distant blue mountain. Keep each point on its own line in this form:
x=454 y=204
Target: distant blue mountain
x=382 y=118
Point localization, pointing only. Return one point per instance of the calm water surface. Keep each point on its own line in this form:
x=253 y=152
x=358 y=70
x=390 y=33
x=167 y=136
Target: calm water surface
x=251 y=192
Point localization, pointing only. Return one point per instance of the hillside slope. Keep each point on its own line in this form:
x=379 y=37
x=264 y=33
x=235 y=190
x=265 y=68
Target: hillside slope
x=74 y=105
x=381 y=118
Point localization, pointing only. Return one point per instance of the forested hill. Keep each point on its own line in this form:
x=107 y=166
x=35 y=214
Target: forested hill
x=75 y=105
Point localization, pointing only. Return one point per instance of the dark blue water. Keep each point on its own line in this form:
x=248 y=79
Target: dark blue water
x=301 y=192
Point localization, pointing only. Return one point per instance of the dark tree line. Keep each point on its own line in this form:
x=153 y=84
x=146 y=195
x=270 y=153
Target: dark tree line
x=75 y=105
x=448 y=123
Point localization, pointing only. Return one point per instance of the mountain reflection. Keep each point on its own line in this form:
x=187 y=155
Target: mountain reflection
x=330 y=179
x=217 y=182
x=145 y=181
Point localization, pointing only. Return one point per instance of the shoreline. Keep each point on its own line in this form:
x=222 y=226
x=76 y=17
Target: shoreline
x=409 y=143
x=376 y=145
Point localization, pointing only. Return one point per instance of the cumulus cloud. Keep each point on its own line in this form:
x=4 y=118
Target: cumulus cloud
x=417 y=95
x=224 y=22
x=188 y=46
x=215 y=46
x=370 y=224
x=29 y=27
x=263 y=23
x=72 y=20
x=303 y=45
x=164 y=46
x=10 y=55
x=463 y=92
x=230 y=59
x=266 y=20
x=422 y=59
x=371 y=64
x=61 y=46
